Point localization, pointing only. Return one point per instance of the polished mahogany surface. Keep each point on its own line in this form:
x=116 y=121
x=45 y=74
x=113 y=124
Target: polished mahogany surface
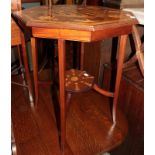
x=76 y=23
x=77 y=17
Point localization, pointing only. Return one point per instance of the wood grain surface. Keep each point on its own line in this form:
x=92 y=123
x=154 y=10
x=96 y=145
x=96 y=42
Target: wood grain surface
x=75 y=17
x=89 y=127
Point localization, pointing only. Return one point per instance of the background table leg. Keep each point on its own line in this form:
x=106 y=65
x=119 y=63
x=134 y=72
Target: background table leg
x=82 y=56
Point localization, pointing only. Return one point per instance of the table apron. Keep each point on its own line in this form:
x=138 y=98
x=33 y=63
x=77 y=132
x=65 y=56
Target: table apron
x=65 y=34
x=80 y=35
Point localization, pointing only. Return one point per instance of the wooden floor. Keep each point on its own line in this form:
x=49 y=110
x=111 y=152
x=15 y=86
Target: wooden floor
x=89 y=127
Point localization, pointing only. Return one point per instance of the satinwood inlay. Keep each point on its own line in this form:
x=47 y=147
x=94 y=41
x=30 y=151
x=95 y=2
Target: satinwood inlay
x=78 y=81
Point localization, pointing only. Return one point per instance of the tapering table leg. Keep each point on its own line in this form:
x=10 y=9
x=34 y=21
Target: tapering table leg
x=82 y=56
x=27 y=73
x=121 y=54
x=35 y=67
x=61 y=55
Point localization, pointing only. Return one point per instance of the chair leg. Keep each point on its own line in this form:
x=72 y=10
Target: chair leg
x=21 y=65
x=123 y=40
x=130 y=62
x=27 y=73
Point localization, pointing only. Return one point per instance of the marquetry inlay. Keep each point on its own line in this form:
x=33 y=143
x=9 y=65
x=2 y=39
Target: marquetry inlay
x=78 y=81
x=74 y=17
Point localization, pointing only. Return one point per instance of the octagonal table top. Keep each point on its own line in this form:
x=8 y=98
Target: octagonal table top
x=76 y=17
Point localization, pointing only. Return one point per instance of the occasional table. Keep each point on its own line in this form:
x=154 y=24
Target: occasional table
x=75 y=23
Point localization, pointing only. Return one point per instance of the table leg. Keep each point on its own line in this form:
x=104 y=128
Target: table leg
x=27 y=73
x=35 y=67
x=61 y=55
x=82 y=56
x=123 y=40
